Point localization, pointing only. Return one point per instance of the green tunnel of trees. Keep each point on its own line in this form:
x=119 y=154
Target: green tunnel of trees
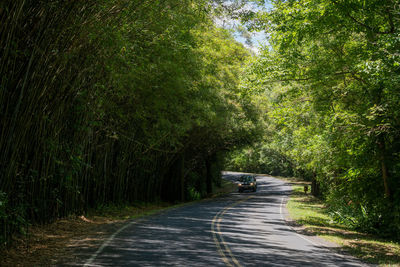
x=109 y=102
x=112 y=102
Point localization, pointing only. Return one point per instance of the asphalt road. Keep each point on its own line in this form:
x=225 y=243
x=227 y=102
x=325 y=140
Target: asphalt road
x=241 y=229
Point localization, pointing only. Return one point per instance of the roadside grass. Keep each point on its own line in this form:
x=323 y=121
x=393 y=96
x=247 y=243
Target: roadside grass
x=312 y=214
x=53 y=244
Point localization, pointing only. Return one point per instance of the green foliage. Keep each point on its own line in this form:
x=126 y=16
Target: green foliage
x=260 y=158
x=329 y=89
x=108 y=102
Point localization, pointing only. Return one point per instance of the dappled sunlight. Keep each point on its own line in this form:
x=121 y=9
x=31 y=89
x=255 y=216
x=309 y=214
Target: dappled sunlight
x=255 y=232
x=246 y=228
x=177 y=237
x=365 y=246
x=310 y=212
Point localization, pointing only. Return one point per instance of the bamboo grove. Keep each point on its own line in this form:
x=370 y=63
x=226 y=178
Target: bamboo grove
x=112 y=102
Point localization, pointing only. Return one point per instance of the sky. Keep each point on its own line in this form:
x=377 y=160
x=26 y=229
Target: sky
x=258 y=38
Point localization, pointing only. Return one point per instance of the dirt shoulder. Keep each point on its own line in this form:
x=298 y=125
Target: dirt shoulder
x=57 y=243
x=54 y=243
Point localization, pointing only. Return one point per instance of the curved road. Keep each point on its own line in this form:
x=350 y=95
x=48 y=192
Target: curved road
x=246 y=229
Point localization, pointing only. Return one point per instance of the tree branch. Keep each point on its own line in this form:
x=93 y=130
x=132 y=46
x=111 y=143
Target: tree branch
x=392 y=28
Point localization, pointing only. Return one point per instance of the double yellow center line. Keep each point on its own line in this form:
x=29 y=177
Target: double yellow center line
x=222 y=247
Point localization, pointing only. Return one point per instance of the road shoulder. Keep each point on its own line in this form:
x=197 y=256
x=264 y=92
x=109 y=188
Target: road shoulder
x=57 y=243
x=309 y=217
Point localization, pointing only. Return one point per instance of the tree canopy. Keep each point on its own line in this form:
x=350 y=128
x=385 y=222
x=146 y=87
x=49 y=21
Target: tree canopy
x=329 y=85
x=112 y=102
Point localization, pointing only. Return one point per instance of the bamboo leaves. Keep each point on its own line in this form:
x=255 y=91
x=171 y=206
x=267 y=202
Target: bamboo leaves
x=102 y=100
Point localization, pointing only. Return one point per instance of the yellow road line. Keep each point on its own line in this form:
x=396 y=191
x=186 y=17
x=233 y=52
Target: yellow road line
x=216 y=241
x=217 y=233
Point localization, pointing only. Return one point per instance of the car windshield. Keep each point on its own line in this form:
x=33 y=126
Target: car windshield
x=246 y=179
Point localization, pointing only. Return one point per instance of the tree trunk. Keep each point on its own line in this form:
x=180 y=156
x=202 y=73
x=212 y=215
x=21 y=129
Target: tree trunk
x=208 y=175
x=385 y=176
x=315 y=186
x=180 y=172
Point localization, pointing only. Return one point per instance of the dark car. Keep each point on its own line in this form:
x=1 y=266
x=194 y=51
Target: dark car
x=247 y=182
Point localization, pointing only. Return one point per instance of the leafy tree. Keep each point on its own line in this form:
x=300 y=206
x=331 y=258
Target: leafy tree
x=331 y=81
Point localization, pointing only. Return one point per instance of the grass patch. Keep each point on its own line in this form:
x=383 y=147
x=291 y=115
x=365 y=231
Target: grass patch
x=313 y=215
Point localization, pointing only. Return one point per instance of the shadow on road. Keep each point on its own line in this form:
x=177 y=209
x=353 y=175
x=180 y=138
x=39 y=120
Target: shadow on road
x=252 y=229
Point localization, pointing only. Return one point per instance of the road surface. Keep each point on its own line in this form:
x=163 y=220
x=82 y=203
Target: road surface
x=240 y=229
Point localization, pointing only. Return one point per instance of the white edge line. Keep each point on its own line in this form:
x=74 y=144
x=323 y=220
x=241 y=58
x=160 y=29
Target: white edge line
x=89 y=262
x=306 y=239
x=281 y=208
